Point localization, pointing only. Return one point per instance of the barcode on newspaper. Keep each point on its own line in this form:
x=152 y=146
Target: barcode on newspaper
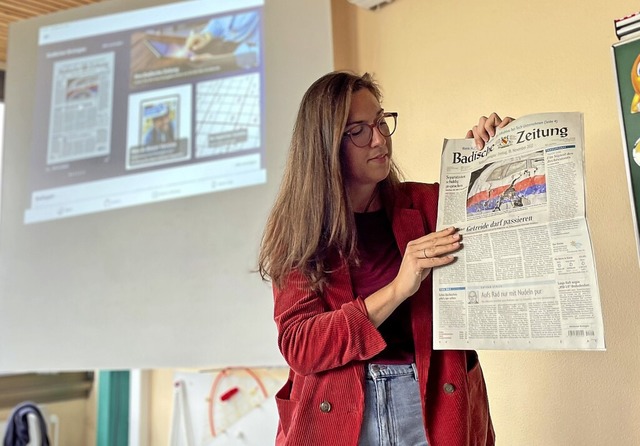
x=582 y=333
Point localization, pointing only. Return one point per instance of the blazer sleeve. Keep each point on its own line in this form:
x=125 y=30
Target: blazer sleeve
x=313 y=337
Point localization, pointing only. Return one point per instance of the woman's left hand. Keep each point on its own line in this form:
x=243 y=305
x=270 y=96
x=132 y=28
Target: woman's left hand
x=425 y=253
x=486 y=128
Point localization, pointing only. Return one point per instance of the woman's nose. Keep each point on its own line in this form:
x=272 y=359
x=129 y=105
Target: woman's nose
x=377 y=138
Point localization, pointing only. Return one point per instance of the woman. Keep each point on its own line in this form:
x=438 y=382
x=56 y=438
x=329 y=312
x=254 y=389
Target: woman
x=349 y=249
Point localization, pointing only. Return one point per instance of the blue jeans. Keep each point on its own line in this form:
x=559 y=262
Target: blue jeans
x=393 y=410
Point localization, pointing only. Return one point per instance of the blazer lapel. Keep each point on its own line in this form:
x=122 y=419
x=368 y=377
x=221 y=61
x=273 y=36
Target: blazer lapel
x=407 y=225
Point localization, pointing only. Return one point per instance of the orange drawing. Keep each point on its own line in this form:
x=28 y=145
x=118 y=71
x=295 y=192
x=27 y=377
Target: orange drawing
x=635 y=81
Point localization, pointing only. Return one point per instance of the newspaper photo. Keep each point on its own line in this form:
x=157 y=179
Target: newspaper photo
x=525 y=278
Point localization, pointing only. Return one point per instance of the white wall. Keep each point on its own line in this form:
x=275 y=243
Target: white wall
x=442 y=65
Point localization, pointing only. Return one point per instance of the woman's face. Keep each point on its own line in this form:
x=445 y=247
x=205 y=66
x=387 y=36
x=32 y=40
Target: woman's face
x=368 y=165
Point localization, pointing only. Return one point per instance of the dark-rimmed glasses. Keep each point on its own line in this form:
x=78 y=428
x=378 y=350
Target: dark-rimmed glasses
x=362 y=134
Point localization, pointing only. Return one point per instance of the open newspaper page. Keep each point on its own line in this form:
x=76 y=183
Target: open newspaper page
x=525 y=278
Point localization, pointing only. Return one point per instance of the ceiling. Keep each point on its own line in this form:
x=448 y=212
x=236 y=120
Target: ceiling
x=13 y=10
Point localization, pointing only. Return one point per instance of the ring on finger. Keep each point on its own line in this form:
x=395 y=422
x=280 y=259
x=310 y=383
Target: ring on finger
x=424 y=251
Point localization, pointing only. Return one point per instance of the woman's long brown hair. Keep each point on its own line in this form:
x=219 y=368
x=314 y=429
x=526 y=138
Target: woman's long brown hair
x=312 y=216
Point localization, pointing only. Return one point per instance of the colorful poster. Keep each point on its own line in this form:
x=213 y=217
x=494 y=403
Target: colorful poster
x=626 y=56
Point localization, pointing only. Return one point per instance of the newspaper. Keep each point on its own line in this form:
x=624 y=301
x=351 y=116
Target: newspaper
x=525 y=278
x=81 y=103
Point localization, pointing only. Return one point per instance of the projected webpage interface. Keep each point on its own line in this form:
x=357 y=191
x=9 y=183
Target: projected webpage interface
x=129 y=114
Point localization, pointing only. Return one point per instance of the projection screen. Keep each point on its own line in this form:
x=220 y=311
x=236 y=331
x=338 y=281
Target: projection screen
x=138 y=171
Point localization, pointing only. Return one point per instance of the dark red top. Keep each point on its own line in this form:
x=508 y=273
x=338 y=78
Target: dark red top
x=379 y=264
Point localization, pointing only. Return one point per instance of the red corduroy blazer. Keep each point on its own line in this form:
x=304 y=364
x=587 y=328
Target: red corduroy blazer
x=327 y=339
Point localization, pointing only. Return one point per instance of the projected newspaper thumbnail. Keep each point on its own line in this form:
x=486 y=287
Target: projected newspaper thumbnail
x=214 y=45
x=228 y=115
x=138 y=109
x=81 y=104
x=159 y=130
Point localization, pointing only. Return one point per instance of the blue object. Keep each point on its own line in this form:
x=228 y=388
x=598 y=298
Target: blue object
x=17 y=433
x=235 y=28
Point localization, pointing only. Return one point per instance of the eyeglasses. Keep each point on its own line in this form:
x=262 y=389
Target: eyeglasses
x=362 y=134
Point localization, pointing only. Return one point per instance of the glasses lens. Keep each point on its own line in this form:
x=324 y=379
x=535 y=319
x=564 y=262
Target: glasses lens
x=361 y=135
x=387 y=125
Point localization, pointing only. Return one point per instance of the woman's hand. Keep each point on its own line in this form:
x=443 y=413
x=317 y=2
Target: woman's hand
x=421 y=256
x=486 y=128
x=197 y=41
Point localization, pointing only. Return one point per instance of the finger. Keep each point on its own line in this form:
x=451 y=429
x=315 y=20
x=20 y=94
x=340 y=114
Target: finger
x=506 y=121
x=198 y=44
x=478 y=141
x=437 y=247
x=480 y=130
x=438 y=261
x=424 y=246
x=438 y=251
x=491 y=123
x=192 y=42
x=414 y=244
x=442 y=233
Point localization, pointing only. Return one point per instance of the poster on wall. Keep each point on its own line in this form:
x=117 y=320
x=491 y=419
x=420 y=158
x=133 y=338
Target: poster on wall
x=626 y=60
x=234 y=406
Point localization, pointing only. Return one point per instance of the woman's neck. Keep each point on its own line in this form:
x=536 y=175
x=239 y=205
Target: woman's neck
x=365 y=199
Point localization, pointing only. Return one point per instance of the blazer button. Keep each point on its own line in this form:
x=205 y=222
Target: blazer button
x=449 y=388
x=325 y=407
